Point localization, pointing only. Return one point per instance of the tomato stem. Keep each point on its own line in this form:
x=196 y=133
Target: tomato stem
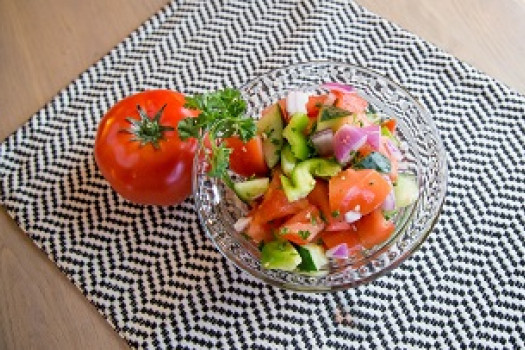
x=147 y=130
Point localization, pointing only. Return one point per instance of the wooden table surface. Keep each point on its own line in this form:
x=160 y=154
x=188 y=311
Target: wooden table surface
x=46 y=44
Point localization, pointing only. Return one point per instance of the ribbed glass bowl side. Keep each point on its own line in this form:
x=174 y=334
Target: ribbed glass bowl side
x=218 y=208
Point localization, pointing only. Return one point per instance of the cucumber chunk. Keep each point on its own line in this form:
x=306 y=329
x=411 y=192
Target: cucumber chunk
x=288 y=161
x=406 y=190
x=313 y=257
x=270 y=127
x=294 y=134
x=302 y=181
x=280 y=255
x=251 y=189
x=375 y=161
x=329 y=116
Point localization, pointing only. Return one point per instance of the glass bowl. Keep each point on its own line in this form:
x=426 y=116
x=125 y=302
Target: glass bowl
x=218 y=208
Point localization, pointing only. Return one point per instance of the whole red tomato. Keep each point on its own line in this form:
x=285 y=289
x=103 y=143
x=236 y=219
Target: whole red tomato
x=139 y=152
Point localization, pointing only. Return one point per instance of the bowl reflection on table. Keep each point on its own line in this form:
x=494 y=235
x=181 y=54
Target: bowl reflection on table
x=218 y=208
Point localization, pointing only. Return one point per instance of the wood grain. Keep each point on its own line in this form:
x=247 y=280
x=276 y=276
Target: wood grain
x=46 y=44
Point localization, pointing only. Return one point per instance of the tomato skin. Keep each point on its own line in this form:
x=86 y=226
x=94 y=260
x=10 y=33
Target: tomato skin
x=314 y=105
x=247 y=159
x=141 y=173
x=307 y=220
x=373 y=229
x=357 y=190
x=275 y=204
x=350 y=101
x=334 y=238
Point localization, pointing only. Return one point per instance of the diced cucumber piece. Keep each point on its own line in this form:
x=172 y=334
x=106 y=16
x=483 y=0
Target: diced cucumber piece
x=313 y=257
x=288 y=161
x=270 y=127
x=251 y=189
x=302 y=181
x=329 y=116
x=294 y=134
x=376 y=161
x=406 y=190
x=280 y=255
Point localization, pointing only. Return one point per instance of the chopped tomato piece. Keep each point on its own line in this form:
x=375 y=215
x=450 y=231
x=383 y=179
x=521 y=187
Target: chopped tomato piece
x=275 y=204
x=303 y=226
x=247 y=159
x=390 y=124
x=350 y=101
x=357 y=190
x=320 y=198
x=365 y=150
x=259 y=231
x=284 y=112
x=338 y=224
x=334 y=238
x=314 y=104
x=374 y=229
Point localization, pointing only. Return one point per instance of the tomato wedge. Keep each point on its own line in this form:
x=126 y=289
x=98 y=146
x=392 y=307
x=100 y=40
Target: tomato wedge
x=247 y=159
x=319 y=197
x=334 y=238
x=350 y=101
x=313 y=105
x=303 y=226
x=357 y=190
x=374 y=229
x=390 y=124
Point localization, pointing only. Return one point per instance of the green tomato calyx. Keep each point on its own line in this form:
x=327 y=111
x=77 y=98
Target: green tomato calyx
x=147 y=130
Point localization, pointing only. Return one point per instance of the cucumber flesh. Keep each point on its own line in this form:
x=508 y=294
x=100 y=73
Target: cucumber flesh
x=406 y=190
x=313 y=257
x=280 y=255
x=294 y=134
x=329 y=116
x=288 y=161
x=251 y=189
x=270 y=127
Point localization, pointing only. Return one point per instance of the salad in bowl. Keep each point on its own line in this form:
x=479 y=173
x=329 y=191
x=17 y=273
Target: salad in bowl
x=317 y=176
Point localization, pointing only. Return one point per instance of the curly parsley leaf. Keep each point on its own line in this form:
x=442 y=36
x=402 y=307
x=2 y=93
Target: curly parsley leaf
x=222 y=115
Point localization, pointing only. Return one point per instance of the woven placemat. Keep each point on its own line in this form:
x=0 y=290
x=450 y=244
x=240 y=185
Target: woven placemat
x=159 y=281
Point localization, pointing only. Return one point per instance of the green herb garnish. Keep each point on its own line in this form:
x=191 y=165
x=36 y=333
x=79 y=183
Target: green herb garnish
x=222 y=115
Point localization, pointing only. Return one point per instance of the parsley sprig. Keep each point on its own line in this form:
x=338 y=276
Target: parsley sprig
x=222 y=115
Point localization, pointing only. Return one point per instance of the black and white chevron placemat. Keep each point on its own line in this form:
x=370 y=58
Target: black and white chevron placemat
x=157 y=279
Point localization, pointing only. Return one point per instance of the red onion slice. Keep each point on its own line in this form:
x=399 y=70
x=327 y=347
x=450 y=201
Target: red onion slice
x=390 y=202
x=338 y=87
x=242 y=223
x=340 y=251
x=373 y=134
x=324 y=142
x=352 y=216
x=347 y=139
x=393 y=150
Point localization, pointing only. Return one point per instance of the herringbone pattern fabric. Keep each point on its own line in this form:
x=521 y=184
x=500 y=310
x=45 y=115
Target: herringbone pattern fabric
x=157 y=279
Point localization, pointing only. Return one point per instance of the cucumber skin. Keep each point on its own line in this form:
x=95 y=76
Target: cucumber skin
x=302 y=181
x=251 y=189
x=313 y=257
x=288 y=161
x=293 y=133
